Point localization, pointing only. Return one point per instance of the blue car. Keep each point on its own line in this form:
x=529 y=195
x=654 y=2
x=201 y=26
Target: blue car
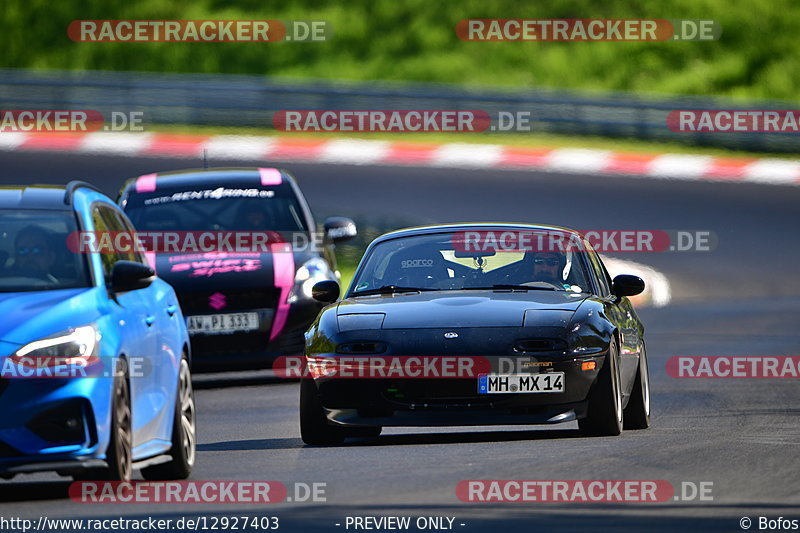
x=94 y=353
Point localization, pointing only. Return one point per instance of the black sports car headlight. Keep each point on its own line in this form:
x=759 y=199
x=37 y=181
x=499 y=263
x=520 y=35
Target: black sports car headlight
x=549 y=318
x=356 y=321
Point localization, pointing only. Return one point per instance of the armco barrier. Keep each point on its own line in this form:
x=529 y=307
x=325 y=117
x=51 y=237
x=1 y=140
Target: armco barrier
x=231 y=100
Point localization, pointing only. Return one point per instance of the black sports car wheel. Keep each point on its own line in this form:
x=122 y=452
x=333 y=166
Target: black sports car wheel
x=314 y=427
x=637 y=412
x=604 y=417
x=184 y=437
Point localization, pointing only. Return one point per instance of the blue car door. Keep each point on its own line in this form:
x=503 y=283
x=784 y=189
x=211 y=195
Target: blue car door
x=137 y=321
x=164 y=360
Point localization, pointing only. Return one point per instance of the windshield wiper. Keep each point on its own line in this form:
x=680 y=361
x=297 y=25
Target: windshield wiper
x=390 y=289
x=507 y=286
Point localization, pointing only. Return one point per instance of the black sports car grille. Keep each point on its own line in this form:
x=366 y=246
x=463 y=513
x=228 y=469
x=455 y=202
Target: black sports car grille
x=451 y=391
x=231 y=300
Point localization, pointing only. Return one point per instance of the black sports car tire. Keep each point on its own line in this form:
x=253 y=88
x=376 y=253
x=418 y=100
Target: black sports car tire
x=184 y=437
x=314 y=427
x=604 y=417
x=637 y=412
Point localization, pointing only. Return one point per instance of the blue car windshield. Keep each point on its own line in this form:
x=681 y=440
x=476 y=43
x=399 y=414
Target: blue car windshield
x=34 y=251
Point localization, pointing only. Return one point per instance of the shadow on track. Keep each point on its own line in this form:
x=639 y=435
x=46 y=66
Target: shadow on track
x=410 y=439
x=11 y=491
x=398 y=440
x=224 y=380
x=252 y=444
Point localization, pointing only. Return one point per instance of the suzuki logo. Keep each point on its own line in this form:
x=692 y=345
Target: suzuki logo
x=217 y=301
x=450 y=335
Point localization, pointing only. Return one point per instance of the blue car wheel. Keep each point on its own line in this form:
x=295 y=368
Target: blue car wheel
x=184 y=440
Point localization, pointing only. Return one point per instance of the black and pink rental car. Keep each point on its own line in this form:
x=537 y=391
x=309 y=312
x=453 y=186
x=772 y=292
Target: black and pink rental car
x=241 y=248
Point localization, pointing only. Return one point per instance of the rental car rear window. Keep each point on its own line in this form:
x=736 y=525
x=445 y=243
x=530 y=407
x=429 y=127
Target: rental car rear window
x=217 y=209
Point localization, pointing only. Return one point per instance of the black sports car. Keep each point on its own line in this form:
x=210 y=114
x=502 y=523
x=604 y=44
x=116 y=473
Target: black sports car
x=244 y=305
x=476 y=324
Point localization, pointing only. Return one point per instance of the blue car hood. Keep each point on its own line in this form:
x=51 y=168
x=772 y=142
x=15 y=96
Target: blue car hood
x=28 y=316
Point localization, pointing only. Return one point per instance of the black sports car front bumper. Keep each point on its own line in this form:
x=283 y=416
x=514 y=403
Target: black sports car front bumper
x=456 y=401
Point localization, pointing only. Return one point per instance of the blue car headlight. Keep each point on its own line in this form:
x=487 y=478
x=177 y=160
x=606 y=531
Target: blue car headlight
x=76 y=346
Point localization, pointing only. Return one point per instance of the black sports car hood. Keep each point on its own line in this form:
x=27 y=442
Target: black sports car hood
x=466 y=308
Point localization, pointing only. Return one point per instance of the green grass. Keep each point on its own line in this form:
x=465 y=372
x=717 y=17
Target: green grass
x=347 y=269
x=757 y=56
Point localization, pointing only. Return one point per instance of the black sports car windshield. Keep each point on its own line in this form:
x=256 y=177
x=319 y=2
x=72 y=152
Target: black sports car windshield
x=34 y=255
x=442 y=261
x=217 y=209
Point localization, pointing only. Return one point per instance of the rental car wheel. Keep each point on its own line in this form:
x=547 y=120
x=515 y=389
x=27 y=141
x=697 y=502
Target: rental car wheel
x=605 y=400
x=637 y=412
x=314 y=427
x=184 y=438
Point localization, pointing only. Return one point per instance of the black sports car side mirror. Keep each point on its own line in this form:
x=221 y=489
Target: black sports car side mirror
x=627 y=285
x=340 y=229
x=325 y=291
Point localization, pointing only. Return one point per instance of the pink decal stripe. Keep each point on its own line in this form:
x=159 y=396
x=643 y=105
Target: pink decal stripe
x=283 y=267
x=146 y=183
x=270 y=176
